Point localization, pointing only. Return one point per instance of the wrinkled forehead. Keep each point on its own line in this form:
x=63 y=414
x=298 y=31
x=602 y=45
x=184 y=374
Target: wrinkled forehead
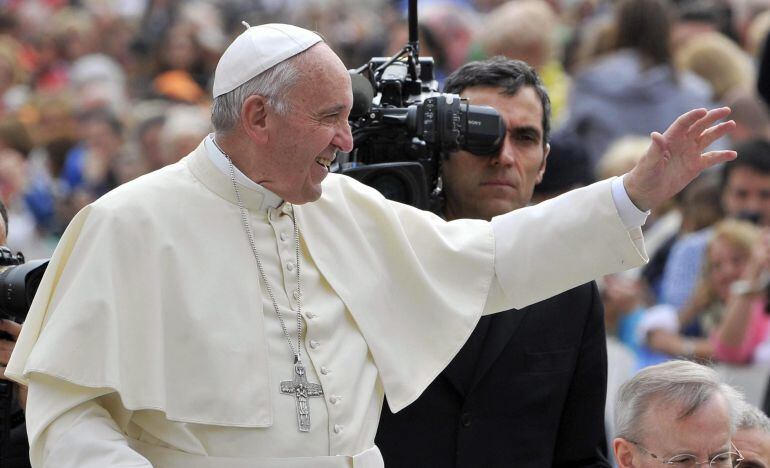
x=321 y=61
x=324 y=79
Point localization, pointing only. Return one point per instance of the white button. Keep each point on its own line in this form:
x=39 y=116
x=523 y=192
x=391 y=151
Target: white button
x=290 y=266
x=338 y=428
x=284 y=236
x=325 y=370
x=334 y=399
x=314 y=344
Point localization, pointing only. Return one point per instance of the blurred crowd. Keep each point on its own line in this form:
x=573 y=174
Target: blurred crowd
x=94 y=93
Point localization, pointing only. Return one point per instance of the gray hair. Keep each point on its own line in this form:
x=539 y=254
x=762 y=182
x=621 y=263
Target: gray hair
x=751 y=417
x=685 y=383
x=274 y=84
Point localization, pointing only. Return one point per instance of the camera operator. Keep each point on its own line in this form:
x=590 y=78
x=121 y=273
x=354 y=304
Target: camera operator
x=16 y=452
x=527 y=388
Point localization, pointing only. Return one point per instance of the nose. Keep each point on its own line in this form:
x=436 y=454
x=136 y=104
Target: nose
x=506 y=156
x=343 y=139
x=753 y=204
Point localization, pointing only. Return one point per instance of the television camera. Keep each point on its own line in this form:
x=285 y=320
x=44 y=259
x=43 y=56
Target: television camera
x=18 y=284
x=403 y=127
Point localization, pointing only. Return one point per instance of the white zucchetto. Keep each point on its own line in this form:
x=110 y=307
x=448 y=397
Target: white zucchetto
x=258 y=49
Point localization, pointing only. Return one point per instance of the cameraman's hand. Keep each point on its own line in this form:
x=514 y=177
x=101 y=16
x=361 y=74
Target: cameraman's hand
x=6 y=348
x=676 y=157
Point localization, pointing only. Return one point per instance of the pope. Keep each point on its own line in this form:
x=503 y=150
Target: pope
x=243 y=307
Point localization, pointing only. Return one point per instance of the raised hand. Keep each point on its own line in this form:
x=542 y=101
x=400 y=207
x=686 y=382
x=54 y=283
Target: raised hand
x=676 y=157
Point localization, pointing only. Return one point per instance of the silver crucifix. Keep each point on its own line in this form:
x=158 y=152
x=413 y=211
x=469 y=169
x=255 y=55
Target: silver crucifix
x=302 y=390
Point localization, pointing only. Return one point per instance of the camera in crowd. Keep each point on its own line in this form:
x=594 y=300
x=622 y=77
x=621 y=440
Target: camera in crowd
x=402 y=126
x=18 y=284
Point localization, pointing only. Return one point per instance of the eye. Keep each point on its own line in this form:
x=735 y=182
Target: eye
x=723 y=459
x=526 y=137
x=741 y=194
x=682 y=460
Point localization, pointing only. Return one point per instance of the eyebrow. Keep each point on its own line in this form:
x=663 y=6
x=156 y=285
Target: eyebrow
x=728 y=448
x=333 y=109
x=525 y=130
x=752 y=464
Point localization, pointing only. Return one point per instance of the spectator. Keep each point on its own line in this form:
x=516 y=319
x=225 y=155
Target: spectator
x=752 y=438
x=182 y=131
x=679 y=413
x=719 y=61
x=181 y=75
x=751 y=116
x=526 y=30
x=89 y=170
x=454 y=28
x=744 y=336
x=734 y=252
x=636 y=88
x=745 y=193
x=17 y=188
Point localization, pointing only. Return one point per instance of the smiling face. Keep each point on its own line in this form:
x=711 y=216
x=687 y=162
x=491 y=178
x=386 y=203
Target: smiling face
x=482 y=187
x=303 y=142
x=726 y=264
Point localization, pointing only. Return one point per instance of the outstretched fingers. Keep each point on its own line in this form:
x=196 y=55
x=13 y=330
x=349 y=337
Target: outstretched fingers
x=683 y=123
x=711 y=117
x=713 y=158
x=710 y=135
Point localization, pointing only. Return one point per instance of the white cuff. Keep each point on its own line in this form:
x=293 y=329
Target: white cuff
x=631 y=216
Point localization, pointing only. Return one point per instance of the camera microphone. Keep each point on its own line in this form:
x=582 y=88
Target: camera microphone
x=363 y=93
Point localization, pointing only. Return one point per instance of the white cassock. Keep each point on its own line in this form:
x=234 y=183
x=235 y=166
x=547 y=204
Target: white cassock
x=151 y=340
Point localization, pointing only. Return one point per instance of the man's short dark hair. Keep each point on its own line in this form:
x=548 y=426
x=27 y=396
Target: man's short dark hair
x=752 y=154
x=504 y=73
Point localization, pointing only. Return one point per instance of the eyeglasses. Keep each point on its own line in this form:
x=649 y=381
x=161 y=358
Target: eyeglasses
x=729 y=459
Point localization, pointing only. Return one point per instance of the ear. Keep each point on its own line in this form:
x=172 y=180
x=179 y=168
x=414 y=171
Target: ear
x=624 y=455
x=254 y=113
x=540 y=173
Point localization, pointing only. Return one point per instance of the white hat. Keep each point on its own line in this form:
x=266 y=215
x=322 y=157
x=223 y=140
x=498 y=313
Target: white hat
x=259 y=48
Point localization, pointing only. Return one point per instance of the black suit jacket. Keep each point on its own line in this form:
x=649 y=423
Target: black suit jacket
x=527 y=390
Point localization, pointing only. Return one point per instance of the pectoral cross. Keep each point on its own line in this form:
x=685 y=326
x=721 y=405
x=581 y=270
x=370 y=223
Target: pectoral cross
x=302 y=390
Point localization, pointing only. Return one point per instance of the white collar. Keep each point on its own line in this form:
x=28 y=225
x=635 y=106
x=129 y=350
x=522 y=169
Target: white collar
x=219 y=160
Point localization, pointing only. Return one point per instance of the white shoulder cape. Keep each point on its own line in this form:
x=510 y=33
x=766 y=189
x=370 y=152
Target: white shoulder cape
x=152 y=292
